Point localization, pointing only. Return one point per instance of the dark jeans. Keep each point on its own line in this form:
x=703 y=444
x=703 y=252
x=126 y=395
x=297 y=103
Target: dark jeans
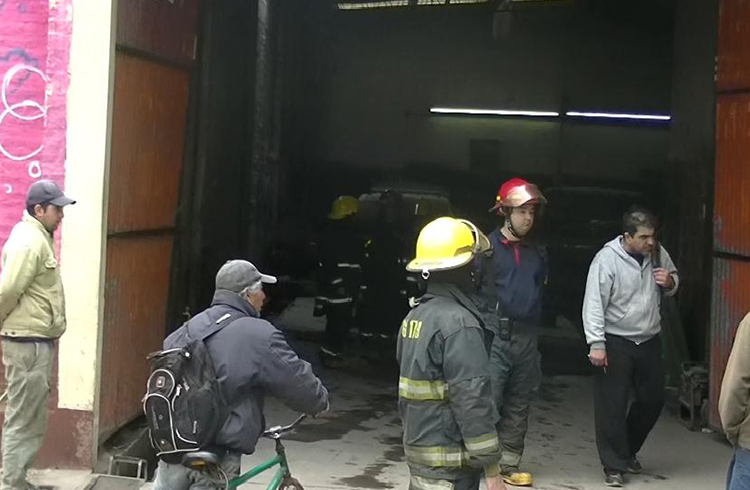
x=622 y=428
x=738 y=477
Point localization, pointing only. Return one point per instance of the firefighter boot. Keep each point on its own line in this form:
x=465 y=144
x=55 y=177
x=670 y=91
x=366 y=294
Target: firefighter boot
x=512 y=476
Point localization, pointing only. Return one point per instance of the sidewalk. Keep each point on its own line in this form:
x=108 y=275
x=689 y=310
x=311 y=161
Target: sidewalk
x=62 y=479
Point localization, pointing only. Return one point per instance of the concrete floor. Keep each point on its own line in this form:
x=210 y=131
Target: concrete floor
x=62 y=479
x=357 y=445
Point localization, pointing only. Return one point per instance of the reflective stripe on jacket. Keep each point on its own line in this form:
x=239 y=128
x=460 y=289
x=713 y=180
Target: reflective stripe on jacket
x=445 y=397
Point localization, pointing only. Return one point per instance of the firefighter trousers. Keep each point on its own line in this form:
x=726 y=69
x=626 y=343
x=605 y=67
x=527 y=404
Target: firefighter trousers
x=468 y=483
x=516 y=373
x=339 y=319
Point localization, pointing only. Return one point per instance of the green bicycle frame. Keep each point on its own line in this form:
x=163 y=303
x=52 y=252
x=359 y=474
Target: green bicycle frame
x=279 y=459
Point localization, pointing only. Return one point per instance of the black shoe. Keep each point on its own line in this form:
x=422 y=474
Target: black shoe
x=614 y=479
x=634 y=467
x=330 y=358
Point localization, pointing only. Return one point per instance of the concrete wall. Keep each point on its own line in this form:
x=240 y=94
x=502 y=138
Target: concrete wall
x=387 y=68
x=56 y=59
x=84 y=233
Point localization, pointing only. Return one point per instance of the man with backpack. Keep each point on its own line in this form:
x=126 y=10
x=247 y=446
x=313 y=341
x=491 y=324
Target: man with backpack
x=250 y=359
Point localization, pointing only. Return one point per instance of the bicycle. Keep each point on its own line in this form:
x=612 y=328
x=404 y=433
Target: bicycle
x=282 y=480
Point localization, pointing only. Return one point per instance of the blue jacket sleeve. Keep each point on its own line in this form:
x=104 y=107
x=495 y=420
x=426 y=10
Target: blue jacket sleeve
x=291 y=379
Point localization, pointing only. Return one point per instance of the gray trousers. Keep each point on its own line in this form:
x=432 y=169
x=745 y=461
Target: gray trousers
x=515 y=375
x=178 y=477
x=28 y=370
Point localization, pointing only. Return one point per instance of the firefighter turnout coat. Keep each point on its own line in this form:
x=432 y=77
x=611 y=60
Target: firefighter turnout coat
x=445 y=399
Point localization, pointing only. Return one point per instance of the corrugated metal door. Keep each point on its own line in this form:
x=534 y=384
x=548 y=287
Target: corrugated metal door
x=731 y=265
x=155 y=42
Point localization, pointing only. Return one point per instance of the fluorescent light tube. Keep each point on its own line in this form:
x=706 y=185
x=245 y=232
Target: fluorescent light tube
x=608 y=115
x=491 y=112
x=373 y=5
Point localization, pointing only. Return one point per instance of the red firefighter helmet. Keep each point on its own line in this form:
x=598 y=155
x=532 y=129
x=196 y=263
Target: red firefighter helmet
x=515 y=193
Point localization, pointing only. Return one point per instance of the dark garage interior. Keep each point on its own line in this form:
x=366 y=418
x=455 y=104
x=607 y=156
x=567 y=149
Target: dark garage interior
x=326 y=100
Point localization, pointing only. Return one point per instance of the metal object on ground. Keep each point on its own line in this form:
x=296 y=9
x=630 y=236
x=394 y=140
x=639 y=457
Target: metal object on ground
x=117 y=462
x=115 y=481
x=693 y=395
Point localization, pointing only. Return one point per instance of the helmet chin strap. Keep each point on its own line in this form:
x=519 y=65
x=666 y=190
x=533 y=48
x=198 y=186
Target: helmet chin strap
x=509 y=224
x=512 y=230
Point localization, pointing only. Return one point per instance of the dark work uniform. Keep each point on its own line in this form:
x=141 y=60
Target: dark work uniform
x=511 y=286
x=444 y=392
x=339 y=280
x=386 y=300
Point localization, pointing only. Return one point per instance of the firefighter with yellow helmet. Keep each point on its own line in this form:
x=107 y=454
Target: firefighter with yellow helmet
x=339 y=277
x=445 y=401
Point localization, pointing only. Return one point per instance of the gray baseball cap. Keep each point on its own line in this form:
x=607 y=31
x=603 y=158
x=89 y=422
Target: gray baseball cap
x=236 y=275
x=46 y=191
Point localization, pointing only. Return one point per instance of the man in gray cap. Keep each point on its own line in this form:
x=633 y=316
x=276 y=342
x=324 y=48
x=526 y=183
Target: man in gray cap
x=32 y=318
x=251 y=359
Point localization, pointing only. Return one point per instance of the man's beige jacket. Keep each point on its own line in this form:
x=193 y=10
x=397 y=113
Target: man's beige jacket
x=32 y=301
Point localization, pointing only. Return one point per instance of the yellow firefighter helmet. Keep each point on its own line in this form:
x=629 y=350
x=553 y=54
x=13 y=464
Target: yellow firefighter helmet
x=447 y=243
x=343 y=206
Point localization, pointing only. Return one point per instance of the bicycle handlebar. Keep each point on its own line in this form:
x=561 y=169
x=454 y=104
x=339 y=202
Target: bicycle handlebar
x=277 y=431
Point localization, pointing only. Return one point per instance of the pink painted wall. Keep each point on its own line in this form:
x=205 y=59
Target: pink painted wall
x=34 y=75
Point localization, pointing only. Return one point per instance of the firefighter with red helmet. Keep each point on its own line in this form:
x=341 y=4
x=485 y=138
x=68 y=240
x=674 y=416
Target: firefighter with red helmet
x=511 y=283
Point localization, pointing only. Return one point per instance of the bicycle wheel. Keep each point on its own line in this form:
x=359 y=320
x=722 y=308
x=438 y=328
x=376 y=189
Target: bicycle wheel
x=290 y=483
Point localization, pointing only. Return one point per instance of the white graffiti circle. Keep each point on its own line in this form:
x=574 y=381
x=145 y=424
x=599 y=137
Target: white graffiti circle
x=8 y=188
x=12 y=110
x=35 y=170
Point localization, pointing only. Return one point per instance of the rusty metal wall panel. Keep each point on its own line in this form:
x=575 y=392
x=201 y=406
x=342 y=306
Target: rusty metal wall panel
x=148 y=137
x=730 y=303
x=731 y=205
x=165 y=29
x=137 y=283
x=733 y=57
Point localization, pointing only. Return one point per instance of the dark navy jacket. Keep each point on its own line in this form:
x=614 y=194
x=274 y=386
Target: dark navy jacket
x=252 y=359
x=512 y=279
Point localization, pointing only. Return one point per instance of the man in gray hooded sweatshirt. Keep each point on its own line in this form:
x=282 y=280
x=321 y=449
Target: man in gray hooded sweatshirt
x=622 y=322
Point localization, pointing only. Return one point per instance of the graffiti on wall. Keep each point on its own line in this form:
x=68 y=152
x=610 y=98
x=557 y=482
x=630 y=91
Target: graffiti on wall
x=34 y=64
x=19 y=116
